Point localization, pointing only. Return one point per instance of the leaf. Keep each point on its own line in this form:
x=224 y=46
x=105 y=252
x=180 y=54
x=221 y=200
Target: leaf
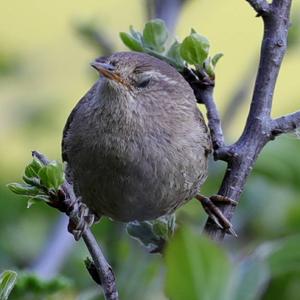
x=197 y=269
x=174 y=54
x=131 y=42
x=143 y=232
x=282 y=256
x=216 y=58
x=160 y=228
x=35 y=181
x=52 y=175
x=23 y=189
x=33 y=168
x=208 y=68
x=135 y=34
x=7 y=283
x=164 y=226
x=37 y=198
x=194 y=48
x=29 y=283
x=249 y=279
x=155 y=35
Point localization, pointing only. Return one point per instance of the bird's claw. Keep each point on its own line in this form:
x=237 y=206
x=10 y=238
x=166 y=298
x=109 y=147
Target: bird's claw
x=215 y=213
x=85 y=219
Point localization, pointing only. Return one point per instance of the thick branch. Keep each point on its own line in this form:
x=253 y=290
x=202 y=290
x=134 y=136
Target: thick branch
x=286 y=123
x=260 y=6
x=258 y=129
x=102 y=267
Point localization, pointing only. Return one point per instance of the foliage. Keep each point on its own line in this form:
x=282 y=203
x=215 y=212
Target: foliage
x=194 y=49
x=199 y=269
x=30 y=284
x=7 y=282
x=153 y=234
x=40 y=181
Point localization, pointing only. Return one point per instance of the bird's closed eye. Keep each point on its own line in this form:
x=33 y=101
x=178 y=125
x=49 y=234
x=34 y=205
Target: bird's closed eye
x=143 y=83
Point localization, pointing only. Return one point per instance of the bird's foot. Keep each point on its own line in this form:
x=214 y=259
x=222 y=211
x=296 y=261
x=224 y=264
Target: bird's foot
x=210 y=207
x=84 y=217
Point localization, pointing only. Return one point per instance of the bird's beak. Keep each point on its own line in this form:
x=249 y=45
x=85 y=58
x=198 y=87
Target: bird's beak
x=107 y=71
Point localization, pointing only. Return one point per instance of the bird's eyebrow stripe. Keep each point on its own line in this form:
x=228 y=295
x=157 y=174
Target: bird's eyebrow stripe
x=159 y=76
x=141 y=69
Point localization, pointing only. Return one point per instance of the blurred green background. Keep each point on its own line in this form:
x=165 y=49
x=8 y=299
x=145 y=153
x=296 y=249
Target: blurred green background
x=45 y=52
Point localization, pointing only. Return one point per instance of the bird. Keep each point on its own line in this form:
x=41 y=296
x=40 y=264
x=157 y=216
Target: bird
x=136 y=146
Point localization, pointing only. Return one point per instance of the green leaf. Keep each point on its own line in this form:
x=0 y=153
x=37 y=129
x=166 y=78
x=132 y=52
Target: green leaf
x=160 y=228
x=164 y=226
x=249 y=280
x=282 y=256
x=208 y=68
x=29 y=283
x=216 y=58
x=33 y=168
x=23 y=189
x=35 y=181
x=135 y=34
x=172 y=222
x=52 y=175
x=143 y=232
x=197 y=268
x=174 y=54
x=131 y=42
x=37 y=198
x=155 y=35
x=7 y=283
x=194 y=48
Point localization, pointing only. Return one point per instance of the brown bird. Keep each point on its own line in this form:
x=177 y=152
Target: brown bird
x=136 y=145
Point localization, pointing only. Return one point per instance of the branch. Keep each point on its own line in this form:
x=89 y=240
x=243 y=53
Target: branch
x=285 y=124
x=203 y=90
x=262 y=7
x=67 y=203
x=205 y=95
x=167 y=10
x=242 y=155
x=103 y=269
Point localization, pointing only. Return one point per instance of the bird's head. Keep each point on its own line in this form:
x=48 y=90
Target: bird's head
x=138 y=73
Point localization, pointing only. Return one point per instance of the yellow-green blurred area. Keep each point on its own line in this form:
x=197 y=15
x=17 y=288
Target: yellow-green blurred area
x=44 y=71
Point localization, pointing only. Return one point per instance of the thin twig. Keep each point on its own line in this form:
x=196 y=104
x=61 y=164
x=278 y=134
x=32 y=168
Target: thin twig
x=102 y=267
x=214 y=122
x=203 y=89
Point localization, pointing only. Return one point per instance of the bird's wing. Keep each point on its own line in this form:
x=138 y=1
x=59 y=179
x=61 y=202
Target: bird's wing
x=207 y=143
x=82 y=101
